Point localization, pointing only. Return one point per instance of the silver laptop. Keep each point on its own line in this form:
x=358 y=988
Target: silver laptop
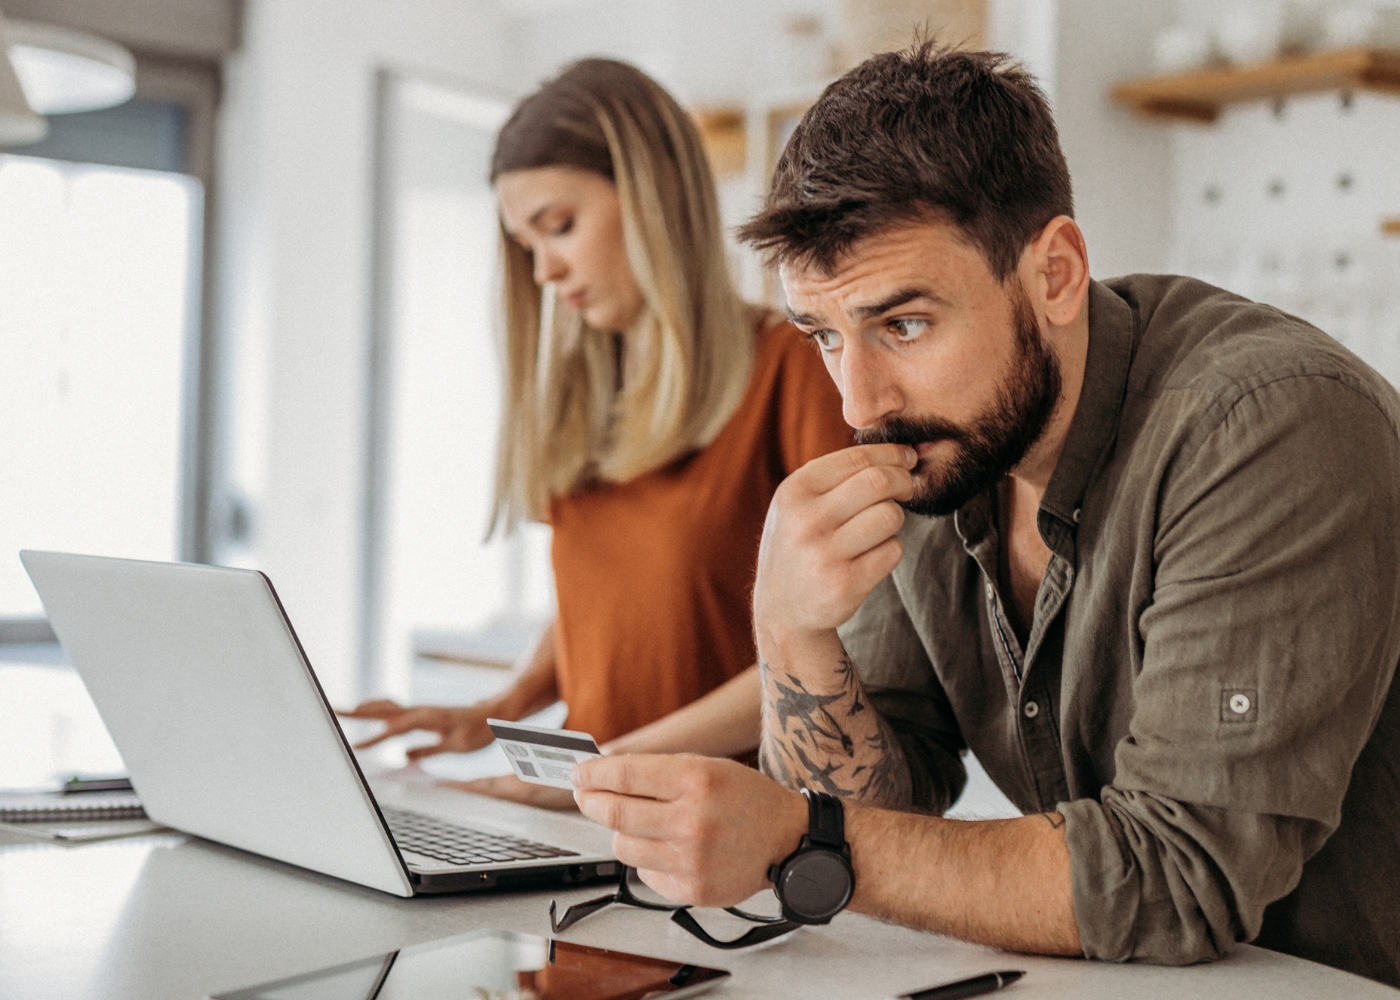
x=227 y=735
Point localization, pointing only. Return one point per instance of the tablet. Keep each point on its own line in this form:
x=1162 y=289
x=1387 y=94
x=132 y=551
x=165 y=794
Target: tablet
x=495 y=964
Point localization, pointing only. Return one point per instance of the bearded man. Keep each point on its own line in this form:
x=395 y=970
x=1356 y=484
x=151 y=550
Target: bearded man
x=1150 y=576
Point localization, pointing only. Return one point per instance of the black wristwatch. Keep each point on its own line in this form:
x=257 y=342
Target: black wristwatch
x=815 y=882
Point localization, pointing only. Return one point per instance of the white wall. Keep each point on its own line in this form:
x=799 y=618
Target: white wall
x=718 y=51
x=295 y=211
x=1120 y=164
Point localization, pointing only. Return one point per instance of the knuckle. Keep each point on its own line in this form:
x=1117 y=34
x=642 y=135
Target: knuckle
x=696 y=829
x=622 y=849
x=626 y=777
x=892 y=516
x=898 y=482
x=704 y=781
x=690 y=867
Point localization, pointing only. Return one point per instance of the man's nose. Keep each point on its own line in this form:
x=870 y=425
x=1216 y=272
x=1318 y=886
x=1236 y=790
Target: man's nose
x=868 y=396
x=549 y=267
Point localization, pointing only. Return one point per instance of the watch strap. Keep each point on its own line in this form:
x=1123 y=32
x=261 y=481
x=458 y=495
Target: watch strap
x=826 y=820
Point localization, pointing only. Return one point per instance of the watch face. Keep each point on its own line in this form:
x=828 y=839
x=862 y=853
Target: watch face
x=816 y=884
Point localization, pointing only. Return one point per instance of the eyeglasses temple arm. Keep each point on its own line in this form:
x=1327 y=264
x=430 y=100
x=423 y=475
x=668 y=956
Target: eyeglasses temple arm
x=753 y=936
x=577 y=912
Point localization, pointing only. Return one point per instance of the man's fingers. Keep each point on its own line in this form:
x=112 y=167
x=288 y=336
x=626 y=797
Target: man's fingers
x=821 y=475
x=872 y=567
x=636 y=817
x=871 y=527
x=646 y=854
x=865 y=489
x=651 y=776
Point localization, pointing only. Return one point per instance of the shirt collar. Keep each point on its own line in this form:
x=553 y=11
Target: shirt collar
x=1112 y=336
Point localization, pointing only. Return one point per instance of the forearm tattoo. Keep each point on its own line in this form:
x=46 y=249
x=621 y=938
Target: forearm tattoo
x=833 y=743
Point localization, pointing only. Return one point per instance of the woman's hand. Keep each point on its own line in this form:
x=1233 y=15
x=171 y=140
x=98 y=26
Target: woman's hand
x=512 y=789
x=460 y=730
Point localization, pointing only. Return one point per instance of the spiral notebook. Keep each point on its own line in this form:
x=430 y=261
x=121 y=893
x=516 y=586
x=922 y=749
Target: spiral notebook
x=89 y=816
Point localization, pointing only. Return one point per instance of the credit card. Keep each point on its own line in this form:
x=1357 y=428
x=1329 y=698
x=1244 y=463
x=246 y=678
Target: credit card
x=543 y=756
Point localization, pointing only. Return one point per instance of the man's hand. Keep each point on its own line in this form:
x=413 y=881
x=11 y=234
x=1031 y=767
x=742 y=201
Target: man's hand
x=830 y=537
x=462 y=730
x=704 y=831
x=699 y=830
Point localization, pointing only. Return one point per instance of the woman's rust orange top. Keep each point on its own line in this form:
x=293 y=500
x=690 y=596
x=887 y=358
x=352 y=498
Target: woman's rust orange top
x=655 y=575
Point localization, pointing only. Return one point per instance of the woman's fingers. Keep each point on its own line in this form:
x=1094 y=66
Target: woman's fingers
x=460 y=730
x=512 y=789
x=418 y=753
x=405 y=721
x=378 y=709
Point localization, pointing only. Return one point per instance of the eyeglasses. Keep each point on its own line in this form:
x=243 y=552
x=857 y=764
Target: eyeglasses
x=768 y=929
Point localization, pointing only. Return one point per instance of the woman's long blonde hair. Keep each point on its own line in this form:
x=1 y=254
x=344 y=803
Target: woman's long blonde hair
x=571 y=417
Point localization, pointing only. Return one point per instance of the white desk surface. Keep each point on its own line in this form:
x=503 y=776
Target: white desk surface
x=167 y=916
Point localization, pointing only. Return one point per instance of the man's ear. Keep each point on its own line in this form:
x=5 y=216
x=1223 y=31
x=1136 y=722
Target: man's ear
x=1060 y=261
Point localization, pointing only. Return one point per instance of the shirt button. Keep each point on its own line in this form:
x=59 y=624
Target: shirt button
x=1031 y=710
x=1076 y=515
x=1239 y=703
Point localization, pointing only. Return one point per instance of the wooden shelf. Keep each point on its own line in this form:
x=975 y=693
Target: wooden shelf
x=1200 y=95
x=723 y=133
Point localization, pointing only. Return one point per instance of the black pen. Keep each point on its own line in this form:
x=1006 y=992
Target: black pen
x=974 y=987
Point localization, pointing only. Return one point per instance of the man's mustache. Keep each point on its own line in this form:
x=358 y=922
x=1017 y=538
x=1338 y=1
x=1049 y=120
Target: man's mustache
x=911 y=432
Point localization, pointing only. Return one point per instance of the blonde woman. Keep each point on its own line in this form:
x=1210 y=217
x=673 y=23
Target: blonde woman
x=649 y=416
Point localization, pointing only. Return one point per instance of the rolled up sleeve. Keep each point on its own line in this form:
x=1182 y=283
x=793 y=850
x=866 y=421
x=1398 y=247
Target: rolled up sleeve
x=1266 y=651
x=1157 y=880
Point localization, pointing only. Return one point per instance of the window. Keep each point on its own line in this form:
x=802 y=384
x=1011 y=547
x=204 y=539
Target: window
x=101 y=237
x=98 y=298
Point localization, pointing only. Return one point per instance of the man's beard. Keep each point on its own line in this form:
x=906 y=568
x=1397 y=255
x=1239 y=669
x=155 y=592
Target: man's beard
x=997 y=441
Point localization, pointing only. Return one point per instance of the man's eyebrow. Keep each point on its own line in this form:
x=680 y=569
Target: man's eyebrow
x=802 y=319
x=899 y=298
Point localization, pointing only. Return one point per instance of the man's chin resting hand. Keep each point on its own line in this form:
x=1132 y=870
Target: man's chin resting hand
x=704 y=831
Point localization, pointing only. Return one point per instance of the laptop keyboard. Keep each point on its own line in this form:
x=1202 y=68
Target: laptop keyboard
x=460 y=845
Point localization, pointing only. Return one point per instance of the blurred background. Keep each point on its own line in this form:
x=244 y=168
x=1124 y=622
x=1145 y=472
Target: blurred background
x=248 y=254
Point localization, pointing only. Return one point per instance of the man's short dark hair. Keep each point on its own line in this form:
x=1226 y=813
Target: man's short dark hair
x=927 y=132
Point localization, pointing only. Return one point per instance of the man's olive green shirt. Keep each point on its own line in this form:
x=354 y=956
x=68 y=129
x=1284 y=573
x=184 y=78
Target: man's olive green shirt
x=1205 y=693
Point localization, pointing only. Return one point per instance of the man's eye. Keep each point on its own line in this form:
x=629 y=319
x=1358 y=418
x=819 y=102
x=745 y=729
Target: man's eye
x=563 y=228
x=908 y=329
x=827 y=340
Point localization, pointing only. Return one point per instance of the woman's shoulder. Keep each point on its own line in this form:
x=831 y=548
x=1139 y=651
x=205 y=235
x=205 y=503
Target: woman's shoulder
x=799 y=397
x=779 y=345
